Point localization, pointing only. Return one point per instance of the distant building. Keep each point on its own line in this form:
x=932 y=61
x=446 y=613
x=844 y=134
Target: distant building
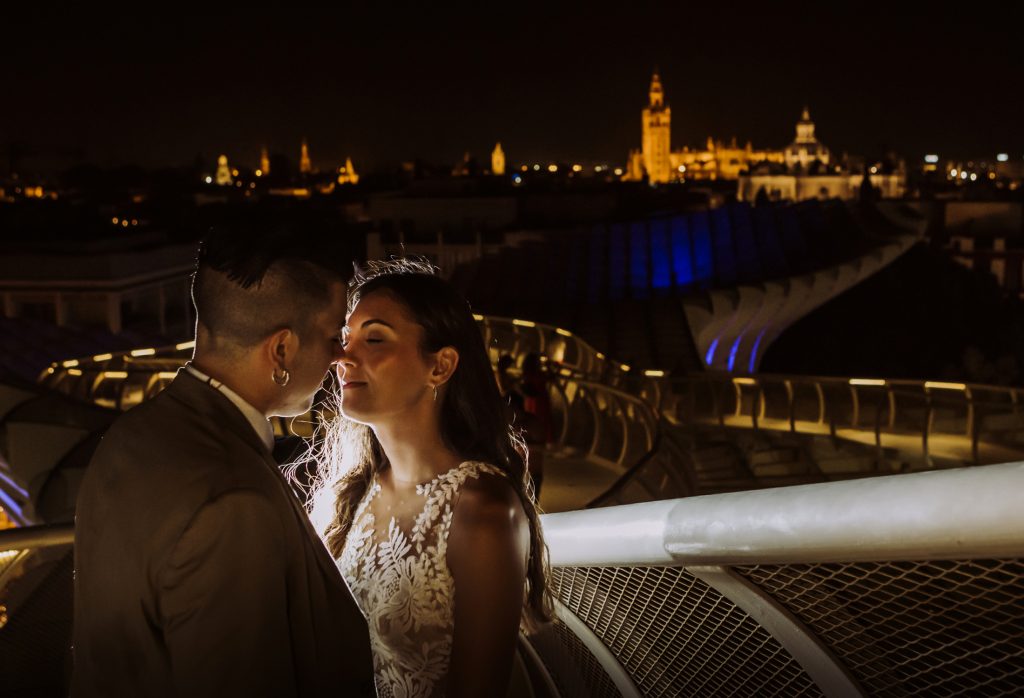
x=808 y=171
x=305 y=165
x=1002 y=172
x=801 y=187
x=656 y=135
x=1002 y=257
x=806 y=150
x=1009 y=169
x=224 y=177
x=112 y=284
x=264 y=162
x=805 y=169
x=347 y=174
x=659 y=163
x=985 y=235
x=498 y=160
x=467 y=167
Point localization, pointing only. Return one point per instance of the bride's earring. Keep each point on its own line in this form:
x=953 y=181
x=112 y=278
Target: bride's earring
x=435 y=393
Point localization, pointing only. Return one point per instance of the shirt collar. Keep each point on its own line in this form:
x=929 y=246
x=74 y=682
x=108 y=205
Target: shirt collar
x=258 y=420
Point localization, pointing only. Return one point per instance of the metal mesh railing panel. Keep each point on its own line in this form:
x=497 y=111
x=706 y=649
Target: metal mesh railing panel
x=677 y=636
x=940 y=628
x=575 y=671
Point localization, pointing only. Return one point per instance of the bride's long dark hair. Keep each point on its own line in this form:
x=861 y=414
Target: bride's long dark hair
x=474 y=420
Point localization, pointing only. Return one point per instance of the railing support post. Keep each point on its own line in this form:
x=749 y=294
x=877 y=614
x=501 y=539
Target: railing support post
x=611 y=665
x=927 y=426
x=879 y=451
x=972 y=425
x=855 y=419
x=792 y=405
x=820 y=664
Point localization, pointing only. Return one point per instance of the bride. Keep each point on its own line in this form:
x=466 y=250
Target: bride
x=429 y=515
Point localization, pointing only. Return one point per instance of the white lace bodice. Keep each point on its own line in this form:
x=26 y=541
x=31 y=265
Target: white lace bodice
x=401 y=581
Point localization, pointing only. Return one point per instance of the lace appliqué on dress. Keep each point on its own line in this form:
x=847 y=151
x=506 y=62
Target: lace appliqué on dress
x=404 y=587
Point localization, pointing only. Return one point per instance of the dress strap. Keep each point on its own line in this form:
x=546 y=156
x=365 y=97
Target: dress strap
x=451 y=480
x=441 y=494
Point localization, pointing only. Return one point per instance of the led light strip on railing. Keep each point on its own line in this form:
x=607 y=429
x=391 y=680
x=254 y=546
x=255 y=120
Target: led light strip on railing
x=544 y=331
x=770 y=379
x=74 y=367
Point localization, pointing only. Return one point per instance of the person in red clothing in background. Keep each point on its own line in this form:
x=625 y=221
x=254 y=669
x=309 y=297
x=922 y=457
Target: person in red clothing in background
x=537 y=399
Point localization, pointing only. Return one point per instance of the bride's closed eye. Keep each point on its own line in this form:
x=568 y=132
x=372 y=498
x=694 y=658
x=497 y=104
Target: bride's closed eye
x=346 y=339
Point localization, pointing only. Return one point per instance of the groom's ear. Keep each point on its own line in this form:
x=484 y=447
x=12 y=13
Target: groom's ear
x=445 y=362
x=281 y=348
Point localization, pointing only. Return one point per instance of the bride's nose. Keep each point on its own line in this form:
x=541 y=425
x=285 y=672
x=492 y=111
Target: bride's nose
x=343 y=362
x=345 y=357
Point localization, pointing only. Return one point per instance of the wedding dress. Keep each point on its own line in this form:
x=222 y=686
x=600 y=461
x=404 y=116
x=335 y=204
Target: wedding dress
x=396 y=568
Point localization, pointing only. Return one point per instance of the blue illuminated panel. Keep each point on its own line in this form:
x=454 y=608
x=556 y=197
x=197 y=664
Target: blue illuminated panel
x=732 y=351
x=724 y=249
x=793 y=240
x=10 y=505
x=661 y=269
x=703 y=263
x=709 y=358
x=748 y=257
x=682 y=255
x=639 y=262
x=617 y=261
x=753 y=352
x=766 y=232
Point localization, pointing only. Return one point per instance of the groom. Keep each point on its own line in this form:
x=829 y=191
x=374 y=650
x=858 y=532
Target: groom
x=197 y=572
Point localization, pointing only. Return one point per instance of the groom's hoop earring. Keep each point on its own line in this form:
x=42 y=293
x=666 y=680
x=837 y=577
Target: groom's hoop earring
x=435 y=393
x=283 y=379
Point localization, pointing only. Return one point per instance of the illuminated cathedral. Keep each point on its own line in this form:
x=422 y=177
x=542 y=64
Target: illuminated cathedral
x=656 y=160
x=805 y=169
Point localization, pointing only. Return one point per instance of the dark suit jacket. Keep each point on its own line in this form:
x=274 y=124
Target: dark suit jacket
x=197 y=572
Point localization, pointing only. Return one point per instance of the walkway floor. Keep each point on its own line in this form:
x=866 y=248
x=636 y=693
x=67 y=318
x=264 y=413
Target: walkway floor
x=571 y=482
x=940 y=446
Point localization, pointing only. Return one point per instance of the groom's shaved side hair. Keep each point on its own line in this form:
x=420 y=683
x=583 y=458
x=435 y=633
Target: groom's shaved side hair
x=250 y=283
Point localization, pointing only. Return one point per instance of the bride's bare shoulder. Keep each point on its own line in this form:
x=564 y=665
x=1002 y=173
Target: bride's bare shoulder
x=488 y=511
x=490 y=493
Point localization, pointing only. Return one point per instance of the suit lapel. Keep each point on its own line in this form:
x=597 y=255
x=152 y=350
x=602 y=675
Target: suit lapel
x=216 y=407
x=320 y=550
x=206 y=399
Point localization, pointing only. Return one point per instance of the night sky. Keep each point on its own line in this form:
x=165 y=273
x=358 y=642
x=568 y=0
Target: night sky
x=566 y=85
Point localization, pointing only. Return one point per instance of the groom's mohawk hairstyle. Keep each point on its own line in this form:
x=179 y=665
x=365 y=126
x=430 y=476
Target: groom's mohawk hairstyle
x=257 y=277
x=245 y=251
x=244 y=259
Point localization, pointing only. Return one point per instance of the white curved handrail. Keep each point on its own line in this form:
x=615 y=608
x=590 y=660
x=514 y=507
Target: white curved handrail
x=962 y=513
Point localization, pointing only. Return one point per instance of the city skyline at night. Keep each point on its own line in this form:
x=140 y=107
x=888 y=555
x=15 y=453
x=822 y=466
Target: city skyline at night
x=556 y=87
